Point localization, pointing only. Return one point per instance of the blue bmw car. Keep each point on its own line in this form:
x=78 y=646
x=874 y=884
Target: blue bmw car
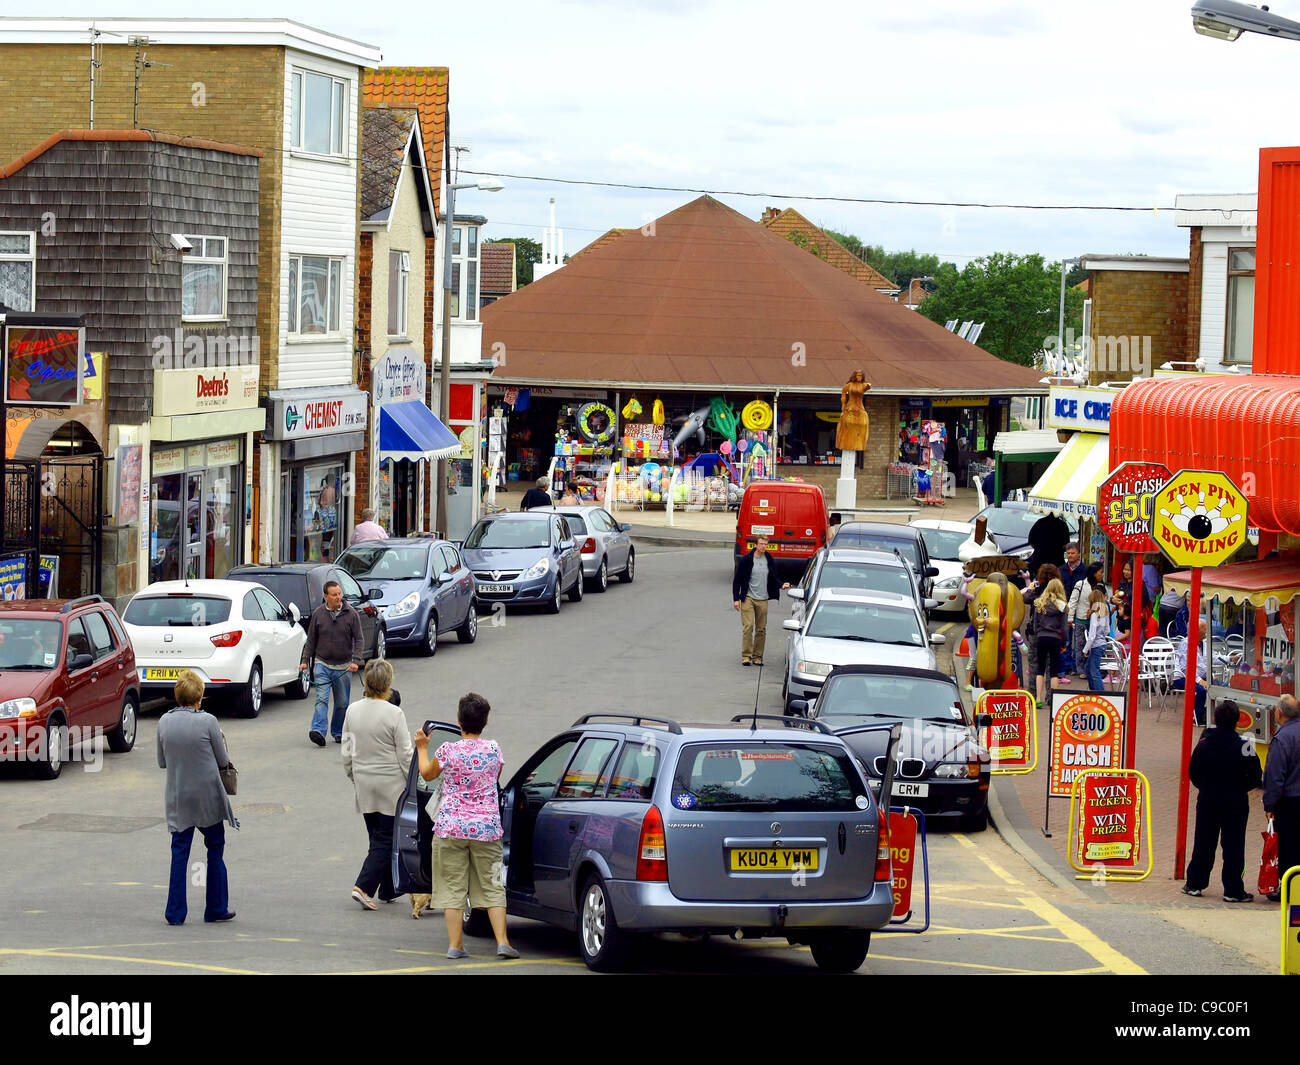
x=426 y=587
x=524 y=559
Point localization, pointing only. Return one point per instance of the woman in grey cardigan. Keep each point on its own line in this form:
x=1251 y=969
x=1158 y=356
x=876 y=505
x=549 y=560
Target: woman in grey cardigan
x=377 y=753
x=192 y=751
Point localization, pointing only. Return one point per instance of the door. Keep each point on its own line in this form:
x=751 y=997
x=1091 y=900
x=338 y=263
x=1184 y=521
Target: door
x=80 y=694
x=287 y=638
x=617 y=542
x=570 y=559
x=528 y=792
x=461 y=587
x=106 y=680
x=413 y=829
x=193 y=531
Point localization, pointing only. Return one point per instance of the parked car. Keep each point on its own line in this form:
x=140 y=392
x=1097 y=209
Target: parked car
x=237 y=636
x=605 y=546
x=1009 y=525
x=942 y=768
x=425 y=589
x=624 y=825
x=791 y=515
x=863 y=571
x=849 y=627
x=884 y=536
x=524 y=559
x=942 y=539
x=303 y=585
x=66 y=665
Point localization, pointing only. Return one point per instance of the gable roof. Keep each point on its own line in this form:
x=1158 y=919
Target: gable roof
x=385 y=139
x=496 y=268
x=425 y=90
x=713 y=299
x=790 y=224
x=122 y=135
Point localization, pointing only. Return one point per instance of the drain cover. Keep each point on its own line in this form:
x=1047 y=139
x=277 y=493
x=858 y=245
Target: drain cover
x=91 y=823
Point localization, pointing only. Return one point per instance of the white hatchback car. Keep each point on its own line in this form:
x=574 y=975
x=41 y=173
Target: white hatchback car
x=942 y=538
x=237 y=636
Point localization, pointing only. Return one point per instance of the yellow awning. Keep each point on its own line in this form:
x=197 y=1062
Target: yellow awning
x=1069 y=485
x=1257 y=582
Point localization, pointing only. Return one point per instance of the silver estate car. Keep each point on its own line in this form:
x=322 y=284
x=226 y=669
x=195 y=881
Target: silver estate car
x=624 y=825
x=605 y=544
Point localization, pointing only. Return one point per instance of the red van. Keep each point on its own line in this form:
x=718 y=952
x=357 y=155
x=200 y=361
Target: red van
x=792 y=516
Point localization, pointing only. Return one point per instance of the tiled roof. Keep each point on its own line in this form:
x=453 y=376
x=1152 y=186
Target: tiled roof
x=425 y=89
x=601 y=241
x=122 y=135
x=385 y=133
x=790 y=224
x=707 y=298
x=497 y=268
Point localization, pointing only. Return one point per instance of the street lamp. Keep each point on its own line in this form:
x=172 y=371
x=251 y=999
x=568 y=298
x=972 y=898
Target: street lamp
x=486 y=184
x=1227 y=20
x=1060 y=320
x=910 y=305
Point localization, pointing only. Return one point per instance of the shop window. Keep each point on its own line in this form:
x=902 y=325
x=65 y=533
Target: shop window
x=1240 y=331
x=318 y=113
x=315 y=294
x=18 y=271
x=203 y=280
x=399 y=277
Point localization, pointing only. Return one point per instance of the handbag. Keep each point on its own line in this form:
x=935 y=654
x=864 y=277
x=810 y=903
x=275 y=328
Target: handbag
x=229 y=775
x=1268 y=874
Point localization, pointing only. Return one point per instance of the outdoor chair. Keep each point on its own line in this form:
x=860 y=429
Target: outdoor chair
x=1156 y=666
x=1114 y=664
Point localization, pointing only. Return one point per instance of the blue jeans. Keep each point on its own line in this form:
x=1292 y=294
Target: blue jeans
x=1198 y=706
x=338 y=681
x=1095 y=682
x=218 y=890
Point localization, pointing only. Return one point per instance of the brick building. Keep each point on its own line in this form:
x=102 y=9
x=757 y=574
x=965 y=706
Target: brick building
x=1139 y=314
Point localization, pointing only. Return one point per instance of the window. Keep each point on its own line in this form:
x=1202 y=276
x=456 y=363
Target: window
x=78 y=641
x=318 y=113
x=18 y=271
x=315 y=294
x=586 y=769
x=203 y=279
x=539 y=784
x=100 y=638
x=464 y=272
x=252 y=610
x=351 y=589
x=272 y=610
x=638 y=767
x=399 y=276
x=1241 y=306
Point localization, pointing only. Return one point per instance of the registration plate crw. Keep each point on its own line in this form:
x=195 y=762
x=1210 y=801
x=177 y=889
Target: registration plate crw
x=773 y=859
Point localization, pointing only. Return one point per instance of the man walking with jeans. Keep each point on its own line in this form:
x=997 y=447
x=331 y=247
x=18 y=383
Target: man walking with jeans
x=753 y=586
x=334 y=643
x=1282 y=786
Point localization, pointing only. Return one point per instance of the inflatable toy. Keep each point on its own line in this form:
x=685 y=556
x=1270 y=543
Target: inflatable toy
x=756 y=414
x=596 y=422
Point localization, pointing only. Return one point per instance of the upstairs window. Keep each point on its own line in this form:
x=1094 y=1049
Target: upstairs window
x=203 y=279
x=316 y=120
x=464 y=273
x=399 y=277
x=315 y=294
x=18 y=271
x=1240 y=332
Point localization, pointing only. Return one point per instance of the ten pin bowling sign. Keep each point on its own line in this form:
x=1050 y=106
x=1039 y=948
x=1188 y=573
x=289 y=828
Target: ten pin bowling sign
x=1011 y=740
x=1199 y=518
x=1107 y=811
x=1087 y=733
x=1125 y=505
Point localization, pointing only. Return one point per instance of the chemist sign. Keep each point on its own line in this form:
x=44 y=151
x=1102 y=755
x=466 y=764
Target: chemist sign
x=1199 y=518
x=1125 y=505
x=1087 y=733
x=1107 y=812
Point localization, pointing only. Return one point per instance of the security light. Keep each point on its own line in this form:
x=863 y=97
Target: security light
x=1227 y=20
x=181 y=244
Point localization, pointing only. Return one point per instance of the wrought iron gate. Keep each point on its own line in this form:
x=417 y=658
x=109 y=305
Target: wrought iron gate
x=72 y=519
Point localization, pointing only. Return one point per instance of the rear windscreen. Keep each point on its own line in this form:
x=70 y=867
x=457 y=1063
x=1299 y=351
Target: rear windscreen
x=786 y=776
x=194 y=610
x=866 y=578
x=286 y=587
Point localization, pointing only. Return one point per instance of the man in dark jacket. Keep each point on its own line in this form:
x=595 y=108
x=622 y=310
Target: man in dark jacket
x=1282 y=786
x=753 y=585
x=334 y=642
x=537 y=496
x=1223 y=768
x=1048 y=537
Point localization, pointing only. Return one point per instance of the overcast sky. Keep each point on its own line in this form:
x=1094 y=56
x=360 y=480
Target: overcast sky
x=953 y=100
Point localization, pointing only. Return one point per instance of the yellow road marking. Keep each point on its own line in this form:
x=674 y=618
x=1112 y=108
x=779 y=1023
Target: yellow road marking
x=133 y=961
x=993 y=866
x=458 y=966
x=977 y=902
x=1010 y=932
x=1083 y=938
x=947 y=625
x=962 y=965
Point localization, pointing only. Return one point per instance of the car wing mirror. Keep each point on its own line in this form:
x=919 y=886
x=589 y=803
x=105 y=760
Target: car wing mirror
x=295 y=615
x=932 y=571
x=567 y=545
x=791 y=624
x=80 y=661
x=795 y=593
x=983 y=720
x=445 y=578
x=932 y=604
x=938 y=639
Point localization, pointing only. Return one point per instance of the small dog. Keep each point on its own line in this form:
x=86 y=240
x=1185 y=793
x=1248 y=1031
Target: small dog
x=420 y=903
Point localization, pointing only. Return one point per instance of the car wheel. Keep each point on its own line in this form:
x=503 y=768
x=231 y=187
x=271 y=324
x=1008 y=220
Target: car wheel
x=475 y=922
x=468 y=631
x=602 y=942
x=975 y=822
x=299 y=687
x=553 y=606
x=381 y=643
x=575 y=593
x=629 y=574
x=842 y=951
x=248 y=703
x=600 y=582
x=429 y=645
x=51 y=765
x=122 y=738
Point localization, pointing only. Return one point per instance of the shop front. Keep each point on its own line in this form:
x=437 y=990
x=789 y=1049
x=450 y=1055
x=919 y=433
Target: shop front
x=311 y=437
x=398 y=485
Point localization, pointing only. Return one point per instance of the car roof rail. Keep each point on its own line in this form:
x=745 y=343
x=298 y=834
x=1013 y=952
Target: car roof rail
x=637 y=719
x=787 y=720
x=72 y=604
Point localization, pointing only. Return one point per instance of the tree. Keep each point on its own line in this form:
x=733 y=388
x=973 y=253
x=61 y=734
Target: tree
x=899 y=266
x=527 y=252
x=1015 y=296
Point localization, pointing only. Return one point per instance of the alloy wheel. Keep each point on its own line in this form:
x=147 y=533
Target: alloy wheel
x=593 y=920
x=128 y=722
x=381 y=644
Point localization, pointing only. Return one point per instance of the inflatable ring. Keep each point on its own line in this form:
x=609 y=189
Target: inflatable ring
x=600 y=434
x=757 y=414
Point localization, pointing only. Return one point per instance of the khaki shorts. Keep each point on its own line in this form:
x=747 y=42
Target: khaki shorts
x=467 y=867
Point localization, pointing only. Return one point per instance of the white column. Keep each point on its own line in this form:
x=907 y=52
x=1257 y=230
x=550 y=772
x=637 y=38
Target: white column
x=846 y=488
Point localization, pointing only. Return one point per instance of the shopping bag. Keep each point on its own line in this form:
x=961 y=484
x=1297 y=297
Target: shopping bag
x=1268 y=874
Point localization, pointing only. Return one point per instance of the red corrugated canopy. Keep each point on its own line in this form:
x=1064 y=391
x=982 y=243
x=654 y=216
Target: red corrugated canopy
x=1247 y=426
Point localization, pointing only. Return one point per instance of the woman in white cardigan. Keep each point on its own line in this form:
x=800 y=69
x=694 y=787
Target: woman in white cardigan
x=377 y=752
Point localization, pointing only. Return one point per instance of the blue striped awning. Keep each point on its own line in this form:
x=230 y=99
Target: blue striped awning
x=412 y=431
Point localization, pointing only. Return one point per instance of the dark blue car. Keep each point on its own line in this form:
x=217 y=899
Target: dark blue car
x=426 y=589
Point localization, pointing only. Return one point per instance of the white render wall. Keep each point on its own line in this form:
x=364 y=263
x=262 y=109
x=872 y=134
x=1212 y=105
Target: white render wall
x=319 y=217
x=1215 y=242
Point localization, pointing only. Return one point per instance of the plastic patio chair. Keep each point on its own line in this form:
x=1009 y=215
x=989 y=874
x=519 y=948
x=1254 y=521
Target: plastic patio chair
x=1156 y=667
x=1114 y=664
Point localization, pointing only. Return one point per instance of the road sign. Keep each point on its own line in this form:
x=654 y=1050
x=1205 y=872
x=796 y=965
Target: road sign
x=1199 y=519
x=1125 y=505
x=1107 y=811
x=1012 y=741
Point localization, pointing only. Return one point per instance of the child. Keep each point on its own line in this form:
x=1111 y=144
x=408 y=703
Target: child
x=1098 y=633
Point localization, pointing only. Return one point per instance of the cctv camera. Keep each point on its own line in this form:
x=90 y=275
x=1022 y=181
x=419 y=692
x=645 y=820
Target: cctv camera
x=181 y=244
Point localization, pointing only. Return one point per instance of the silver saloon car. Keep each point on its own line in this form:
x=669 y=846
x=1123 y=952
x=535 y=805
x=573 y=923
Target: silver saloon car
x=605 y=545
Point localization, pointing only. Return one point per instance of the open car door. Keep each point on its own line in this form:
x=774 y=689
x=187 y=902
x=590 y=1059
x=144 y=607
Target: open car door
x=876 y=748
x=413 y=828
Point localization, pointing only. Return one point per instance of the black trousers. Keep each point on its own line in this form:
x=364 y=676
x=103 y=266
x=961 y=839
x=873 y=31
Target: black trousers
x=376 y=876
x=1286 y=823
x=1218 y=822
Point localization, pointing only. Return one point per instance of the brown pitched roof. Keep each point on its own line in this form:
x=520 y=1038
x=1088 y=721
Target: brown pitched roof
x=497 y=268
x=791 y=224
x=385 y=133
x=601 y=241
x=425 y=89
x=708 y=298
x=122 y=135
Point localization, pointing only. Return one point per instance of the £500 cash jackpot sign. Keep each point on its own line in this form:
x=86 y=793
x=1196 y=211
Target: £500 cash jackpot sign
x=1087 y=733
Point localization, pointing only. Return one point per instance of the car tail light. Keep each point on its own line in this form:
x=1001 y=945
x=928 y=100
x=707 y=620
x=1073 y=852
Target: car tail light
x=228 y=639
x=884 y=871
x=589 y=546
x=652 y=851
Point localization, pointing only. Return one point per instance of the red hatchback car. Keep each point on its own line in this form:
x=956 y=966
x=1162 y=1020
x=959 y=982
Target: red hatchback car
x=67 y=676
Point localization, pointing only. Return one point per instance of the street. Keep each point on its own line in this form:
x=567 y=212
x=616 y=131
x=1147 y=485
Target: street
x=86 y=856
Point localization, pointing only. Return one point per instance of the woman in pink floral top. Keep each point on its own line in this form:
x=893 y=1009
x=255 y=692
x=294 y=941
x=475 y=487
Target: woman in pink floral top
x=467 y=828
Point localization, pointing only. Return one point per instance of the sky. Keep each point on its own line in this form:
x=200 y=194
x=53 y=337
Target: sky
x=975 y=100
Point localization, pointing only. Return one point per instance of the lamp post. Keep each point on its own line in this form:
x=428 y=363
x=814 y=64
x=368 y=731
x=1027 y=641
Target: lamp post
x=910 y=305
x=1227 y=20
x=1060 y=319
x=487 y=184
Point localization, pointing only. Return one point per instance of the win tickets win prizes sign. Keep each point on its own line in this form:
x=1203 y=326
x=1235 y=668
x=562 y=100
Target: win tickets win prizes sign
x=1108 y=808
x=1087 y=733
x=1011 y=740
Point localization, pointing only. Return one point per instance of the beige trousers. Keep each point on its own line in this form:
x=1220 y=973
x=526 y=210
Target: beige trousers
x=753 y=619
